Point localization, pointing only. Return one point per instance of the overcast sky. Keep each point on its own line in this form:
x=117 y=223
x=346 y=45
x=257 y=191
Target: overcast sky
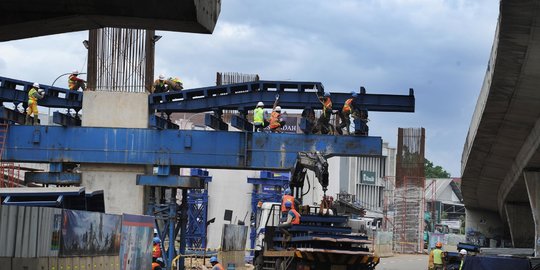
x=439 y=48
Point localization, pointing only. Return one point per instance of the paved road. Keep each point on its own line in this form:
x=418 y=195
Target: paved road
x=403 y=262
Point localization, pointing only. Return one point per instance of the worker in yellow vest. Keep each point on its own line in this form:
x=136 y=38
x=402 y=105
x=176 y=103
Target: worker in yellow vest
x=175 y=84
x=436 y=258
x=462 y=254
x=33 y=95
x=74 y=82
x=258 y=117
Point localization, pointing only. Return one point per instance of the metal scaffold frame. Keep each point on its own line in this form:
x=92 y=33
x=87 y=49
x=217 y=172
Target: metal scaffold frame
x=197 y=213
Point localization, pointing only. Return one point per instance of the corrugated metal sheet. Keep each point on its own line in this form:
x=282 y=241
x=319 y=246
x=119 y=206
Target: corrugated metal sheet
x=26 y=232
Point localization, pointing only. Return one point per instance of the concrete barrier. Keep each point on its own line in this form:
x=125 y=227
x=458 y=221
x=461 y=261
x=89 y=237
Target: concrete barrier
x=382 y=245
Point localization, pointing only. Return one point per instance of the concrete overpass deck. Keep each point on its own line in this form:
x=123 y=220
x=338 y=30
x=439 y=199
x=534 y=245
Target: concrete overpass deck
x=503 y=142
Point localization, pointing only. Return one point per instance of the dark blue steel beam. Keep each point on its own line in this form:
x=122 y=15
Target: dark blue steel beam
x=187 y=148
x=161 y=123
x=176 y=181
x=56 y=178
x=292 y=95
x=66 y=120
x=16 y=91
x=14 y=116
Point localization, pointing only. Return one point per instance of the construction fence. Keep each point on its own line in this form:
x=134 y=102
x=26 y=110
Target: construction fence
x=50 y=238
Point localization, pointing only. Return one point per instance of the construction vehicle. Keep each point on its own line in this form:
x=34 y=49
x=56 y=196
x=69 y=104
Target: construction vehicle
x=321 y=240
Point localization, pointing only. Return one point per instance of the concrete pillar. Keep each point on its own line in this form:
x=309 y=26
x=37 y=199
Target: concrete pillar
x=520 y=222
x=532 y=182
x=118 y=182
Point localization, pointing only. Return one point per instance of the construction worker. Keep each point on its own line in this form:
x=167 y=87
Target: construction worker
x=175 y=84
x=158 y=264
x=258 y=117
x=462 y=254
x=436 y=258
x=275 y=118
x=160 y=85
x=33 y=95
x=74 y=82
x=293 y=218
x=156 y=249
x=215 y=264
x=346 y=111
x=287 y=197
x=324 y=119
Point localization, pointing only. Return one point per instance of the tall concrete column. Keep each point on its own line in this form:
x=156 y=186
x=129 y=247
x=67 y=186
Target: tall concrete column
x=521 y=224
x=120 y=71
x=532 y=182
x=118 y=182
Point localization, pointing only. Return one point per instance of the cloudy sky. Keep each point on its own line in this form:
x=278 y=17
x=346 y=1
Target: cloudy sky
x=438 y=47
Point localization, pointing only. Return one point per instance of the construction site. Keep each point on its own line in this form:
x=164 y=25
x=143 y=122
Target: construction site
x=131 y=169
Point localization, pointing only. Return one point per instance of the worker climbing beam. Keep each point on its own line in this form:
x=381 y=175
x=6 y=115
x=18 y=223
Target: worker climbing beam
x=208 y=149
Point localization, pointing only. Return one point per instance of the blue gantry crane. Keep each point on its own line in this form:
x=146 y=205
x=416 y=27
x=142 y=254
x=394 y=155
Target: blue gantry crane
x=167 y=148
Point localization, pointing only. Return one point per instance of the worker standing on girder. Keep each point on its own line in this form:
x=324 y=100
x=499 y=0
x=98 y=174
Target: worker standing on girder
x=275 y=118
x=258 y=117
x=287 y=197
x=436 y=258
x=175 y=84
x=74 y=82
x=324 y=119
x=346 y=111
x=160 y=85
x=33 y=95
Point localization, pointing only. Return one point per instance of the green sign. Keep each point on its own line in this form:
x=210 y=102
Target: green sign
x=367 y=177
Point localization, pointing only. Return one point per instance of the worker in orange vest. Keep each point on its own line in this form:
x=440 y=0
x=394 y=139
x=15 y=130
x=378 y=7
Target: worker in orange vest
x=160 y=85
x=293 y=218
x=346 y=111
x=74 y=82
x=287 y=197
x=215 y=264
x=156 y=249
x=324 y=119
x=275 y=118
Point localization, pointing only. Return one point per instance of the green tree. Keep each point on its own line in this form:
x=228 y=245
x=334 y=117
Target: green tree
x=432 y=171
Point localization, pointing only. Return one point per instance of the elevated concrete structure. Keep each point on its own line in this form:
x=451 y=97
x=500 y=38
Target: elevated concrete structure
x=31 y=18
x=118 y=182
x=504 y=136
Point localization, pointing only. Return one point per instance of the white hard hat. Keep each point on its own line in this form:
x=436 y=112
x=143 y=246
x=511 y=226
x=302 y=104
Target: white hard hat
x=155 y=230
x=76 y=72
x=463 y=252
x=278 y=109
x=35 y=85
x=260 y=104
x=162 y=77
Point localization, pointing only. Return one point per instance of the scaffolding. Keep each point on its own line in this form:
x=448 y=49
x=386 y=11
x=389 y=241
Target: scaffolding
x=409 y=199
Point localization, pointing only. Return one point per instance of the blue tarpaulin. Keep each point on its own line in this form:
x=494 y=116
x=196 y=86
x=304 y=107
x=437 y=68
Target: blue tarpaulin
x=495 y=263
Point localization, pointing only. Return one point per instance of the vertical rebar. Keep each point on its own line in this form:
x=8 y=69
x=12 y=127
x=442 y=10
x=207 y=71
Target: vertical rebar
x=120 y=60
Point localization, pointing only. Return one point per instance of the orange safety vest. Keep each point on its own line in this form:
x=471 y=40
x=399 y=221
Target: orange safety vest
x=347 y=106
x=155 y=265
x=296 y=219
x=156 y=251
x=287 y=198
x=218 y=266
x=274 y=120
x=72 y=82
x=327 y=105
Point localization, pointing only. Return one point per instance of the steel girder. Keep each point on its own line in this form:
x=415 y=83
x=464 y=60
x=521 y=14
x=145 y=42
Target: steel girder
x=186 y=148
x=292 y=95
